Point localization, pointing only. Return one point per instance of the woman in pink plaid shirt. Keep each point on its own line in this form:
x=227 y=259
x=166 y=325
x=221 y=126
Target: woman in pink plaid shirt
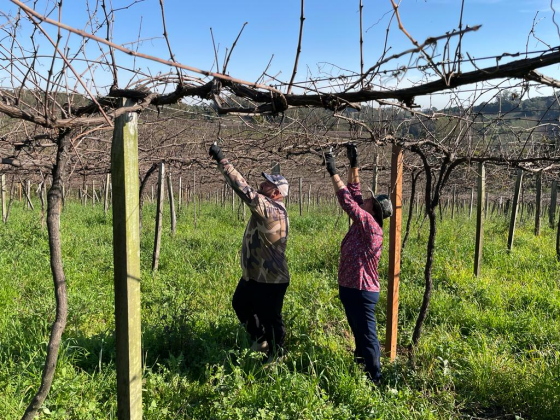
x=358 y=279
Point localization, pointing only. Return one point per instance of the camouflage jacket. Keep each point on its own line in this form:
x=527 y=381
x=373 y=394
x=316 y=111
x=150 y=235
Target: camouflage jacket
x=263 y=254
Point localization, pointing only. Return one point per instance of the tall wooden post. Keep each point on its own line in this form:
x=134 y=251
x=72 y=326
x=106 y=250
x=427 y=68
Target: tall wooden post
x=514 y=208
x=28 y=194
x=180 y=198
x=471 y=204
x=3 y=196
x=106 y=198
x=538 y=204
x=480 y=206
x=375 y=173
x=126 y=255
x=552 y=208
x=193 y=194
x=454 y=201
x=159 y=216
x=300 y=197
x=171 y=203
x=394 y=252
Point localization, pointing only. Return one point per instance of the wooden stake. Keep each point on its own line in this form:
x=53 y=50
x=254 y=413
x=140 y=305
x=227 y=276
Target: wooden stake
x=394 y=253
x=106 y=200
x=126 y=255
x=193 y=192
x=514 y=208
x=538 y=205
x=3 y=196
x=454 y=202
x=300 y=198
x=159 y=217
x=552 y=208
x=180 y=201
x=28 y=195
x=480 y=206
x=375 y=173
x=171 y=204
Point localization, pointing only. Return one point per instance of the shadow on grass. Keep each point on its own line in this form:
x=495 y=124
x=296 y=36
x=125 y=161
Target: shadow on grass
x=182 y=347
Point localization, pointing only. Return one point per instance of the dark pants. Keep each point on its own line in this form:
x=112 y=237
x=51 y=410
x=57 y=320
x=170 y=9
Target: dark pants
x=259 y=307
x=359 y=306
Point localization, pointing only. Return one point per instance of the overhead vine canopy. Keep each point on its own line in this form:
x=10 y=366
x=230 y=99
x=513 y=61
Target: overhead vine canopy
x=65 y=70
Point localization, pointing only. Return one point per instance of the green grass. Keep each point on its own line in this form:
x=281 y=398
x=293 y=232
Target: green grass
x=490 y=346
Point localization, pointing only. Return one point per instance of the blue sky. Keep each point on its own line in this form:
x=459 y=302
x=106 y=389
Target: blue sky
x=331 y=31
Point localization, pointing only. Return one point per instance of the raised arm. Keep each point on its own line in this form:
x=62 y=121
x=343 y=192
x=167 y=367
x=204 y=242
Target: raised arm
x=352 y=154
x=353 y=176
x=348 y=202
x=234 y=179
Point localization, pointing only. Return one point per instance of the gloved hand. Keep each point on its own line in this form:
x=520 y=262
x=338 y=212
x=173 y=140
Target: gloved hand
x=216 y=153
x=331 y=164
x=352 y=154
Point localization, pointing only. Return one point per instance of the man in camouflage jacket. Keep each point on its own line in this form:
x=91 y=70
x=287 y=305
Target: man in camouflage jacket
x=259 y=296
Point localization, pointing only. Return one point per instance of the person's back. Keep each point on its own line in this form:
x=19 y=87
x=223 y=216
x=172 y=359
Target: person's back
x=263 y=254
x=259 y=296
x=358 y=281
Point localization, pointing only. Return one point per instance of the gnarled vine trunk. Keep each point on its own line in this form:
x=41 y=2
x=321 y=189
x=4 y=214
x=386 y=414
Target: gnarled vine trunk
x=54 y=201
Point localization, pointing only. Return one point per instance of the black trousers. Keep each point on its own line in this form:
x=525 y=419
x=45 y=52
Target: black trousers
x=359 y=306
x=259 y=307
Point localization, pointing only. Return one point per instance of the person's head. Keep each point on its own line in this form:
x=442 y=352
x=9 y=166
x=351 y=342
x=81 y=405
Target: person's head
x=274 y=187
x=380 y=207
x=270 y=190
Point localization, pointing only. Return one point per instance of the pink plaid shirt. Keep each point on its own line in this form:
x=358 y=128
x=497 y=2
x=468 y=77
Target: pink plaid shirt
x=361 y=247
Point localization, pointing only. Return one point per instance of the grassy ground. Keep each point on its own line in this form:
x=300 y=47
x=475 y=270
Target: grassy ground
x=490 y=347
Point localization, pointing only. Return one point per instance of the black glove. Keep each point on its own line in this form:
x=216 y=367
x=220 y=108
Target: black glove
x=216 y=153
x=352 y=154
x=331 y=164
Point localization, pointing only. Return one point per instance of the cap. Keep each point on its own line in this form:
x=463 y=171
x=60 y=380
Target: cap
x=280 y=182
x=382 y=207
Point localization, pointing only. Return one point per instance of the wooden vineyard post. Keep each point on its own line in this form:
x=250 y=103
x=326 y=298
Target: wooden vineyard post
x=126 y=255
x=3 y=196
x=375 y=172
x=538 y=204
x=159 y=216
x=28 y=195
x=480 y=216
x=106 y=198
x=300 y=197
x=394 y=253
x=471 y=204
x=454 y=201
x=171 y=204
x=193 y=195
x=514 y=208
x=552 y=208
x=180 y=197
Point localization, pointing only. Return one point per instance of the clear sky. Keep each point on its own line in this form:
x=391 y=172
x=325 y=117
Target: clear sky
x=331 y=31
